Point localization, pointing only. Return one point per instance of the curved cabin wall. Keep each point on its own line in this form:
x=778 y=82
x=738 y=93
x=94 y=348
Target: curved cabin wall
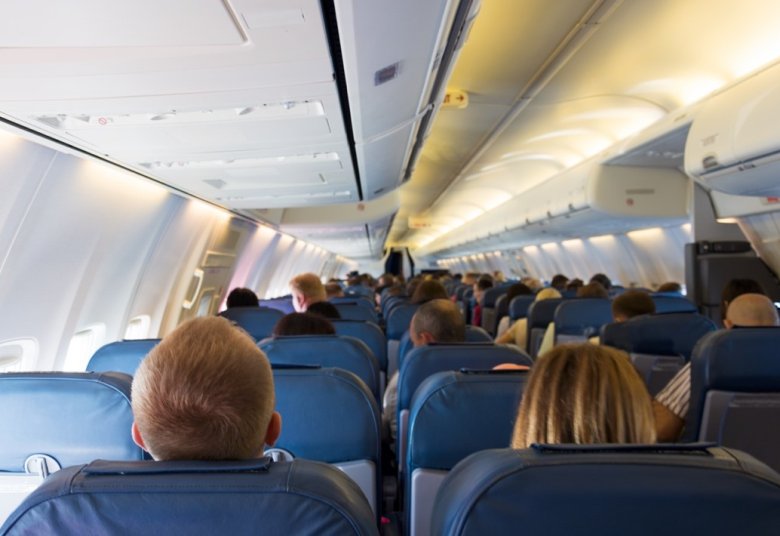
x=88 y=249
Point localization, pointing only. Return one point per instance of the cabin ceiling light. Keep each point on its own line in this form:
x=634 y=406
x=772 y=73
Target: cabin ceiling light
x=260 y=112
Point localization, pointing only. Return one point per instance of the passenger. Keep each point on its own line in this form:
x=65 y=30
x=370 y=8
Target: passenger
x=435 y=321
x=326 y=309
x=485 y=282
x=518 y=289
x=206 y=392
x=307 y=323
x=533 y=283
x=427 y=291
x=333 y=290
x=630 y=304
x=737 y=287
x=516 y=334
x=591 y=290
x=603 y=279
x=306 y=289
x=558 y=282
x=671 y=404
x=574 y=285
x=584 y=394
x=242 y=297
x=670 y=287
x=498 y=276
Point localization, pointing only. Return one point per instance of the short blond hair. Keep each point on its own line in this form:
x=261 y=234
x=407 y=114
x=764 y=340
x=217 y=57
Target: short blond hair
x=585 y=394
x=205 y=392
x=310 y=286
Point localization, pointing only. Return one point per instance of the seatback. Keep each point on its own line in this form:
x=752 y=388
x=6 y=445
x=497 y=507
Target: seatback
x=396 y=324
x=259 y=322
x=518 y=307
x=339 y=351
x=556 y=490
x=121 y=356
x=429 y=359
x=540 y=314
x=672 y=304
x=473 y=334
x=454 y=414
x=659 y=345
x=359 y=290
x=489 y=316
x=369 y=333
x=356 y=311
x=502 y=309
x=195 y=498
x=580 y=318
x=735 y=391
x=51 y=420
x=355 y=299
x=330 y=415
x=283 y=304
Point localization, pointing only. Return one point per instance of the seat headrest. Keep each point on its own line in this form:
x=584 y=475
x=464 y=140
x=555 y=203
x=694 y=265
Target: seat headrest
x=121 y=356
x=298 y=497
x=541 y=313
x=327 y=414
x=259 y=322
x=582 y=316
x=72 y=417
x=673 y=304
x=666 y=334
x=637 y=491
x=518 y=307
x=398 y=320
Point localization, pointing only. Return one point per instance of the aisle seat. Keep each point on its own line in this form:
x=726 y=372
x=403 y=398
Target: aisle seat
x=121 y=356
x=259 y=322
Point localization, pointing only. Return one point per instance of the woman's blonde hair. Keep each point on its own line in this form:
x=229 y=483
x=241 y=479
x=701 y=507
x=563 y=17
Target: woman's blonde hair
x=585 y=394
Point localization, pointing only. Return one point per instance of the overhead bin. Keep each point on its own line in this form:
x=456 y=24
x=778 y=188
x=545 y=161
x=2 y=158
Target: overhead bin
x=733 y=145
x=588 y=199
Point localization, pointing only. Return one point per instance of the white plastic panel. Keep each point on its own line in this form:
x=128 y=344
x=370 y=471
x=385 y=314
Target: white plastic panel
x=638 y=192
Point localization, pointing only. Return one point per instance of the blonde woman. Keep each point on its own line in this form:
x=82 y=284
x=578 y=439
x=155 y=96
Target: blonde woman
x=584 y=394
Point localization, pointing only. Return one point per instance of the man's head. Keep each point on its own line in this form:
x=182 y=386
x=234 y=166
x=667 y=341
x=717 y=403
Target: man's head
x=333 y=290
x=630 y=304
x=751 y=310
x=603 y=279
x=592 y=290
x=559 y=282
x=242 y=297
x=306 y=289
x=437 y=321
x=206 y=392
x=483 y=284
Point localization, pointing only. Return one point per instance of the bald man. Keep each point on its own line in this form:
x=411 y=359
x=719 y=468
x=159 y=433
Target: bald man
x=671 y=404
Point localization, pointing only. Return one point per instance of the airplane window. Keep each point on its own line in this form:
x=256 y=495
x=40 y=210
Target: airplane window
x=138 y=327
x=18 y=354
x=83 y=345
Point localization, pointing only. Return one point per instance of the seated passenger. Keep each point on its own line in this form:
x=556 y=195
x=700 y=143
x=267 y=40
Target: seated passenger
x=559 y=282
x=591 y=290
x=242 y=297
x=518 y=289
x=429 y=290
x=574 y=285
x=435 y=321
x=628 y=305
x=671 y=404
x=485 y=282
x=584 y=394
x=303 y=324
x=601 y=279
x=670 y=287
x=517 y=333
x=306 y=289
x=206 y=392
x=333 y=290
x=324 y=308
x=735 y=288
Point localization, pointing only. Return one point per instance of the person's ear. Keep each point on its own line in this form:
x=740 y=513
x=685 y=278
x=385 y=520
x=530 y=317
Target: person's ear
x=136 y=435
x=728 y=324
x=426 y=337
x=274 y=429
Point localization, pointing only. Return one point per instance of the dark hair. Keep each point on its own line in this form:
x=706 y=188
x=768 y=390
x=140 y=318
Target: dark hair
x=559 y=281
x=633 y=303
x=484 y=283
x=574 y=284
x=518 y=289
x=242 y=297
x=603 y=279
x=324 y=309
x=303 y=324
x=670 y=286
x=429 y=290
x=592 y=290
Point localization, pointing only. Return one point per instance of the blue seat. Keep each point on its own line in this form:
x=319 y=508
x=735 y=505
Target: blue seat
x=473 y=334
x=454 y=405
x=369 y=333
x=359 y=290
x=540 y=314
x=359 y=300
x=429 y=359
x=735 y=391
x=356 y=311
x=339 y=351
x=518 y=307
x=673 y=304
x=659 y=345
x=121 y=356
x=329 y=415
x=396 y=324
x=283 y=304
x=195 y=498
x=580 y=318
x=489 y=313
x=561 y=490
x=51 y=420
x=259 y=322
